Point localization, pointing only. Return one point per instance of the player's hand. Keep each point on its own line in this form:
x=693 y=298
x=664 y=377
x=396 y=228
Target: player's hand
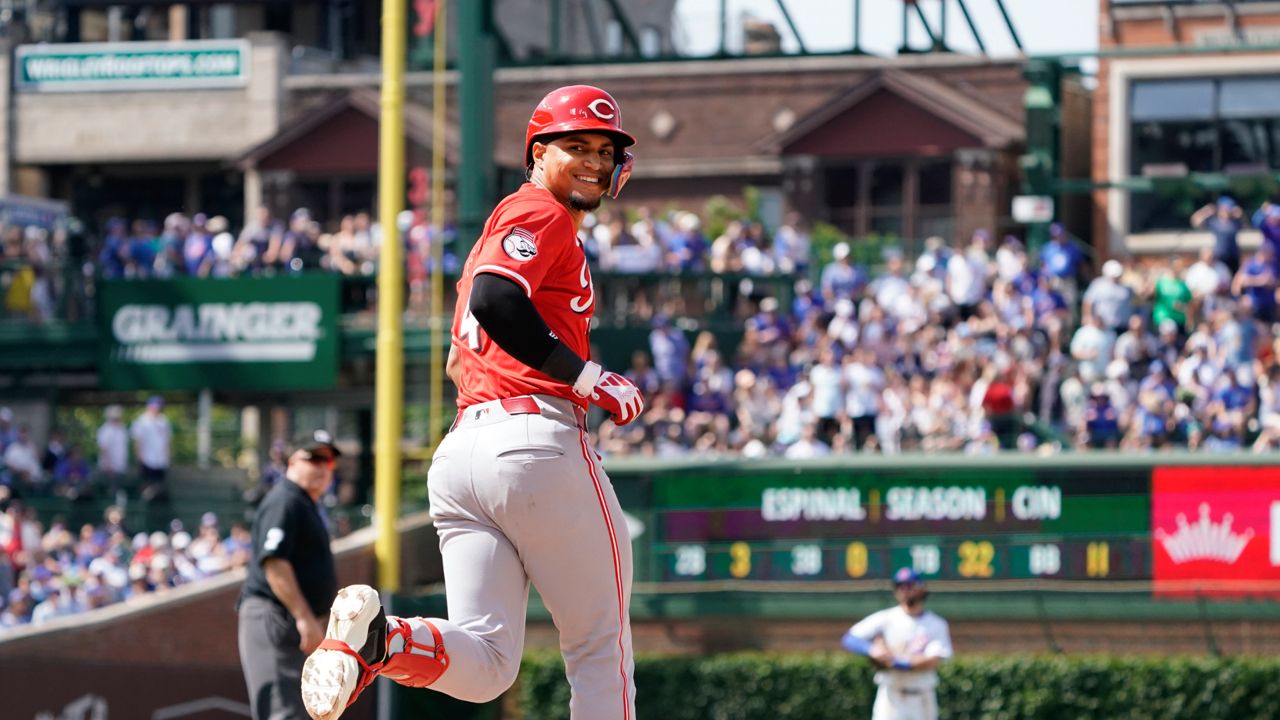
x=612 y=392
x=311 y=632
x=880 y=654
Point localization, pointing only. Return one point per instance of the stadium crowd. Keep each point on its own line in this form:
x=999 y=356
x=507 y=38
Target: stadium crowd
x=49 y=569
x=971 y=346
x=54 y=571
x=978 y=347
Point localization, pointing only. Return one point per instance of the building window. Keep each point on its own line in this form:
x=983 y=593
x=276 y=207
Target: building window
x=1228 y=125
x=840 y=194
x=934 y=178
x=650 y=41
x=886 y=198
x=903 y=199
x=613 y=38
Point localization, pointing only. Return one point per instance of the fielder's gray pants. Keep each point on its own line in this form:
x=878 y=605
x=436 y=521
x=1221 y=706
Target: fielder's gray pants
x=272 y=660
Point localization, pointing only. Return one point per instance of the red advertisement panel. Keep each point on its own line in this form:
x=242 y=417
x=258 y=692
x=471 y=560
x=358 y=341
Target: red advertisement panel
x=1216 y=531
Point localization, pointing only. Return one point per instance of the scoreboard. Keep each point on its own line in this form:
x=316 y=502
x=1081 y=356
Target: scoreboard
x=976 y=523
x=1189 y=529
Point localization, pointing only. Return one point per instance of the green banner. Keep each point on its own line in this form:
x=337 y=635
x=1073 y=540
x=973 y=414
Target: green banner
x=944 y=500
x=245 y=334
x=93 y=67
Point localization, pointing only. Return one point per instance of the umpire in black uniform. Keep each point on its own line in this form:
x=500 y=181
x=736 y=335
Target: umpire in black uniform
x=290 y=583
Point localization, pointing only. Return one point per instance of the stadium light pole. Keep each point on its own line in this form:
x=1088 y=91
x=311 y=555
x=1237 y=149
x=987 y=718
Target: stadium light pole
x=389 y=384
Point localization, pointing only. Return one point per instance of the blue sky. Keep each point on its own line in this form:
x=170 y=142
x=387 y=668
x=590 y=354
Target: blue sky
x=1045 y=26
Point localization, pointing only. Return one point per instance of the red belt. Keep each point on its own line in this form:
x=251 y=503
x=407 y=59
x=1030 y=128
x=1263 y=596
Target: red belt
x=523 y=405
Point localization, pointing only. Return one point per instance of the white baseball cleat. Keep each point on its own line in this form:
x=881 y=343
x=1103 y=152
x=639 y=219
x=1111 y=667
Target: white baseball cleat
x=353 y=651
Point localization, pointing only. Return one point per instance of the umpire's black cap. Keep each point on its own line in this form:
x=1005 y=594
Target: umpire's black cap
x=317 y=444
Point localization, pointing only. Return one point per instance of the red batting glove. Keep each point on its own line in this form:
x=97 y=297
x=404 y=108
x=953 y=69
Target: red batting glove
x=617 y=395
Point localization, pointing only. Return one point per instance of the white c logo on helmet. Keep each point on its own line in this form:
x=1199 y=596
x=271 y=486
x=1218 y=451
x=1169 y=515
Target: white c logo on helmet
x=607 y=114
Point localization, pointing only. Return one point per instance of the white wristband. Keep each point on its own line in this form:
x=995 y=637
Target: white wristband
x=586 y=382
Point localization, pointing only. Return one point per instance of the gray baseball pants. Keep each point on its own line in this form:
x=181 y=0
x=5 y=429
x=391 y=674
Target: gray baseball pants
x=518 y=496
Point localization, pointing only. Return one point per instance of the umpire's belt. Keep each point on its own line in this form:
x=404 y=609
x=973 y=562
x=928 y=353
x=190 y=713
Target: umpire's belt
x=550 y=406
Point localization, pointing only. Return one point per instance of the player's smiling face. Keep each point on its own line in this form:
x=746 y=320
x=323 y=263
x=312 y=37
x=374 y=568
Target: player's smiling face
x=575 y=168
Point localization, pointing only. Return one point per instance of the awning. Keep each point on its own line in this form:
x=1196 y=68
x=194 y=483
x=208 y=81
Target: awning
x=897 y=113
x=341 y=138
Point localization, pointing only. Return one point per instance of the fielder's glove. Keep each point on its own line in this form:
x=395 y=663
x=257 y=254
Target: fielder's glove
x=617 y=395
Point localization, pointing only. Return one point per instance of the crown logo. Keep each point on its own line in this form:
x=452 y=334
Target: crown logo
x=1205 y=540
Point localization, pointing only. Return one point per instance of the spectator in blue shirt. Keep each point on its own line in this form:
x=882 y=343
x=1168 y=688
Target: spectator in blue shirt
x=1059 y=257
x=1267 y=220
x=1158 y=382
x=1224 y=219
x=1061 y=260
x=197 y=250
x=670 y=350
x=767 y=326
x=805 y=301
x=1049 y=307
x=1256 y=281
x=687 y=247
x=1233 y=404
x=142 y=249
x=642 y=374
x=1102 y=420
x=840 y=279
x=114 y=257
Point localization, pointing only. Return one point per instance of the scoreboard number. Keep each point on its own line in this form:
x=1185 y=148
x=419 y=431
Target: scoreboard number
x=1045 y=560
x=975 y=559
x=855 y=559
x=691 y=560
x=739 y=559
x=1098 y=559
x=926 y=559
x=806 y=560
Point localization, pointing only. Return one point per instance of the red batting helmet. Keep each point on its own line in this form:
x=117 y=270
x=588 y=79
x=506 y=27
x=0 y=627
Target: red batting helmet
x=581 y=108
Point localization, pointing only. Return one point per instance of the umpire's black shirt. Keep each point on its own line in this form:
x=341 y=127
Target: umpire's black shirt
x=288 y=526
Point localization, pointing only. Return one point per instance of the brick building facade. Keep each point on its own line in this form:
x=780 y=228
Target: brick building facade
x=1184 y=88
x=909 y=146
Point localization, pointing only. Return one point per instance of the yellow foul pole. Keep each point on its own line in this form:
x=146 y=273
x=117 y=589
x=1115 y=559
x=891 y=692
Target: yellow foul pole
x=389 y=409
x=439 y=318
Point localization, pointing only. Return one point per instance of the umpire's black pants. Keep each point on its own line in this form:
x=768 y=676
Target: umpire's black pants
x=272 y=660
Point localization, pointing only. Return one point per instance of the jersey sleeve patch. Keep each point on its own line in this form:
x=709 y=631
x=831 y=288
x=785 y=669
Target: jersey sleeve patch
x=272 y=542
x=519 y=245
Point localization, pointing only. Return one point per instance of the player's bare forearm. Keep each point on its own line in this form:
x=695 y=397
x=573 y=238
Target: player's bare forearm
x=284 y=583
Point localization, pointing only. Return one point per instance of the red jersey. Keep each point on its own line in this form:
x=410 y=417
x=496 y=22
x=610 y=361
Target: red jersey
x=531 y=239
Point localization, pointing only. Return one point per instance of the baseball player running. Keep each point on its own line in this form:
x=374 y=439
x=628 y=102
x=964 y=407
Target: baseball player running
x=908 y=643
x=517 y=494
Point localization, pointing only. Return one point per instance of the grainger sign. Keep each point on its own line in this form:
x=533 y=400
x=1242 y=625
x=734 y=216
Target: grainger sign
x=245 y=333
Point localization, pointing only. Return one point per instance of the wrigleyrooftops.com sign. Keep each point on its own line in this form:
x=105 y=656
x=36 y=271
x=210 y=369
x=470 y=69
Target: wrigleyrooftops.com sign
x=92 y=67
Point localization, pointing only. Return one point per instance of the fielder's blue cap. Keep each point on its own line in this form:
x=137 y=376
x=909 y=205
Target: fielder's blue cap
x=906 y=576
